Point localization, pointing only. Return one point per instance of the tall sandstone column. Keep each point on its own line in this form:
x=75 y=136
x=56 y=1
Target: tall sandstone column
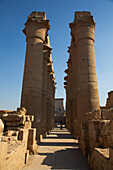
x=46 y=54
x=82 y=31
x=35 y=30
x=72 y=51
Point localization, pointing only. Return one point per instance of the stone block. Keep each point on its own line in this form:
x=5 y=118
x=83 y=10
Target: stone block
x=13 y=128
x=12 y=117
x=15 y=158
x=4 y=112
x=23 y=135
x=111 y=155
x=1 y=126
x=31 y=118
x=105 y=114
x=11 y=133
x=32 y=146
x=22 y=120
x=21 y=111
x=14 y=123
x=111 y=113
x=26 y=156
x=27 y=125
x=105 y=128
x=27 y=118
x=94 y=115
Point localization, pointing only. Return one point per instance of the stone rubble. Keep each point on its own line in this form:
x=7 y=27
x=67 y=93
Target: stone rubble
x=16 y=137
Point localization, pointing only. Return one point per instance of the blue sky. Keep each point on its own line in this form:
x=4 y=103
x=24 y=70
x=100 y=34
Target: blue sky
x=13 y=15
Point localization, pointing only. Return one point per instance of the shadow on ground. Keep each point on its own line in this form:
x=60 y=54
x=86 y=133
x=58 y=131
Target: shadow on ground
x=57 y=144
x=68 y=155
x=60 y=136
x=70 y=159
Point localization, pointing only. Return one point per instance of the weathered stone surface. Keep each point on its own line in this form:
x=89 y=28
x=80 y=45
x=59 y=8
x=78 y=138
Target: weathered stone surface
x=1 y=126
x=21 y=111
x=15 y=156
x=94 y=115
x=100 y=159
x=105 y=114
x=81 y=86
x=4 y=112
x=36 y=80
x=32 y=147
x=109 y=102
x=26 y=156
x=111 y=155
x=12 y=117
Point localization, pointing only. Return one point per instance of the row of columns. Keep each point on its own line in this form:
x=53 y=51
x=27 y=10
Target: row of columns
x=38 y=89
x=81 y=80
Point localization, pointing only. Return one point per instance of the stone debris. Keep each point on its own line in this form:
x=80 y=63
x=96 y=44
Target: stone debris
x=1 y=127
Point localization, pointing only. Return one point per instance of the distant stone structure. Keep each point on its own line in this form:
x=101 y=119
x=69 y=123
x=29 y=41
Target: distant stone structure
x=81 y=80
x=17 y=138
x=38 y=88
x=59 y=110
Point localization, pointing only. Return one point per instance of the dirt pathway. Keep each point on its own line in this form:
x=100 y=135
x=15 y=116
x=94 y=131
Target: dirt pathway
x=58 y=151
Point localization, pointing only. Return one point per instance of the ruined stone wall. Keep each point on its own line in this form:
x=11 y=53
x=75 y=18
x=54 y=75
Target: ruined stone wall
x=101 y=159
x=38 y=81
x=96 y=138
x=17 y=138
x=12 y=159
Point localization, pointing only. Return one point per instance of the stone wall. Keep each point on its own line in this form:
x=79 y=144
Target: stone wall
x=101 y=159
x=96 y=138
x=12 y=155
x=17 y=138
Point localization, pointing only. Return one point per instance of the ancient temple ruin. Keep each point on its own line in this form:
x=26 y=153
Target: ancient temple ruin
x=38 y=88
x=89 y=123
x=17 y=138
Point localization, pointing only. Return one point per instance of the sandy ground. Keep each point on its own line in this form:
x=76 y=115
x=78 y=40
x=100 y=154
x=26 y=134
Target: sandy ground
x=58 y=151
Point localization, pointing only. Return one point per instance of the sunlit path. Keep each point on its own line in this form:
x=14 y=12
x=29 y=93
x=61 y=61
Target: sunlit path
x=58 y=151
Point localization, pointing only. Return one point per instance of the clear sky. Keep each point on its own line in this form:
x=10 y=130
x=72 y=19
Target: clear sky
x=13 y=15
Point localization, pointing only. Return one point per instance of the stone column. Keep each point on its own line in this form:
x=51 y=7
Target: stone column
x=46 y=54
x=48 y=96
x=82 y=30
x=72 y=51
x=53 y=100
x=70 y=94
x=67 y=99
x=35 y=30
x=69 y=111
